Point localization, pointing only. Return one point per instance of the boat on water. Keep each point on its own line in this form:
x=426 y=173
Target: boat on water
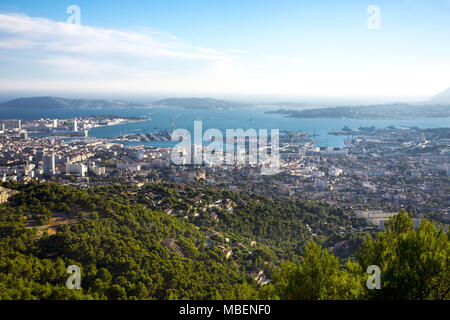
x=367 y=128
x=345 y=128
x=343 y=133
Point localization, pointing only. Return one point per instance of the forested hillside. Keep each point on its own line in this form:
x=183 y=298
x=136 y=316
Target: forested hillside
x=165 y=241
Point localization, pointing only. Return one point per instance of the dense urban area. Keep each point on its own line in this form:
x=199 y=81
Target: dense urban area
x=406 y=168
x=82 y=199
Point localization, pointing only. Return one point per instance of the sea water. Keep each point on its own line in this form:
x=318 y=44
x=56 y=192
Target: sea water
x=255 y=118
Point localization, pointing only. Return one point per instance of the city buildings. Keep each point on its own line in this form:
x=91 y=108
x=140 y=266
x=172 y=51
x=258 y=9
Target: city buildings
x=77 y=169
x=49 y=163
x=385 y=170
x=12 y=124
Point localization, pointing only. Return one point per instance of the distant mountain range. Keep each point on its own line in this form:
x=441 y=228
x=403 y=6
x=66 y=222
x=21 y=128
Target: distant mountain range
x=385 y=111
x=442 y=97
x=437 y=107
x=62 y=103
x=199 y=103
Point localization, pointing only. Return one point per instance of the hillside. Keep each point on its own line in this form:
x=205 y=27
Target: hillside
x=442 y=97
x=388 y=112
x=138 y=242
x=198 y=103
x=62 y=103
x=164 y=241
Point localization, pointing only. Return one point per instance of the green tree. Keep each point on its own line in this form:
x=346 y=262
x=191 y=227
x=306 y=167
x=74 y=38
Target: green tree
x=414 y=263
x=318 y=277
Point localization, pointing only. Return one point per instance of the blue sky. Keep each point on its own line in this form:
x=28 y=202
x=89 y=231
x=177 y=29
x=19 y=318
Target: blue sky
x=280 y=48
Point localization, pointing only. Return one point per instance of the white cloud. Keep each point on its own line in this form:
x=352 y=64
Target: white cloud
x=43 y=35
x=41 y=54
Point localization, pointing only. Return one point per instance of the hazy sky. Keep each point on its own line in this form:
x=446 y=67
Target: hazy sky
x=237 y=47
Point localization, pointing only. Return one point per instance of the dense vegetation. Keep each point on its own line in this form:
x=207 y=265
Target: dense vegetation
x=414 y=266
x=117 y=245
x=164 y=241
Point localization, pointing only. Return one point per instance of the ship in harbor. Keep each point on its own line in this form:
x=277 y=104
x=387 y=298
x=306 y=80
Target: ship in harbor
x=345 y=128
x=345 y=131
x=372 y=128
